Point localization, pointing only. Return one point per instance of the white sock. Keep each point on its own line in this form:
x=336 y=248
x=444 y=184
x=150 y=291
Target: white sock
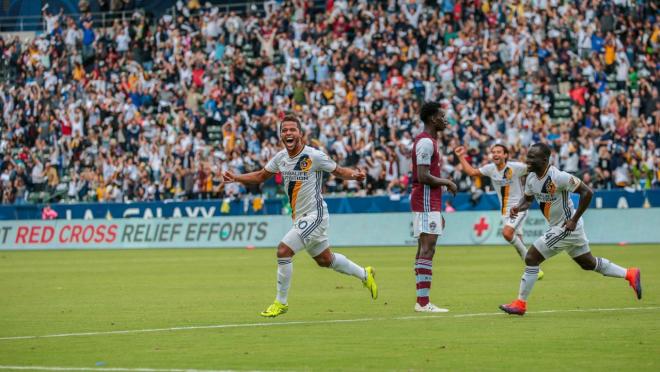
x=284 y=273
x=517 y=243
x=345 y=266
x=607 y=268
x=527 y=282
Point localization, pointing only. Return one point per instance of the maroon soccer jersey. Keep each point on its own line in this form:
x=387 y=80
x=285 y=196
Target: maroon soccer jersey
x=425 y=198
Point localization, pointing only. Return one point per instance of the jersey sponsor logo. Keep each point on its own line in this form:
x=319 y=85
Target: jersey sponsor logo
x=502 y=182
x=545 y=198
x=295 y=175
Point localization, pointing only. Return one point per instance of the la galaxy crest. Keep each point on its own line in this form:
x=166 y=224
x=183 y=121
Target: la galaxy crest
x=306 y=164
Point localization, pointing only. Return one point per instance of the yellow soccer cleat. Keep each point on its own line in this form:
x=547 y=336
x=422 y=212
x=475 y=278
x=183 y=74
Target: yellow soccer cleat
x=370 y=282
x=275 y=309
x=540 y=275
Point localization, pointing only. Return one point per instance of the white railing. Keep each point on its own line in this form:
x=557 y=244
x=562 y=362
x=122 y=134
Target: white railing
x=38 y=22
x=243 y=7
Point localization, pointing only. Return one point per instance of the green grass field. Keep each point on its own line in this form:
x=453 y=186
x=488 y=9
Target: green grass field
x=97 y=292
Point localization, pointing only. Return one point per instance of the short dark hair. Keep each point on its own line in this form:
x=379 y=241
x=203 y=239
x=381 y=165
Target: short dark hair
x=428 y=110
x=291 y=117
x=544 y=148
x=504 y=148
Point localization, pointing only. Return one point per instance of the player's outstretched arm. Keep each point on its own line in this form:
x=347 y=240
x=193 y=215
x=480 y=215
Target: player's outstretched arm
x=249 y=178
x=349 y=174
x=460 y=152
x=524 y=205
x=425 y=177
x=585 y=199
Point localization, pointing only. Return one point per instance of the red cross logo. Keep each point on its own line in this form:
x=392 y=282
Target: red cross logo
x=481 y=226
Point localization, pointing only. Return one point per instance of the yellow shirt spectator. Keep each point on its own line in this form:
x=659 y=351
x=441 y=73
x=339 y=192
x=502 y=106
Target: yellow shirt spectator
x=610 y=55
x=78 y=73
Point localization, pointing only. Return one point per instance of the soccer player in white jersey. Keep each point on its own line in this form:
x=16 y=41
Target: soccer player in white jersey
x=551 y=188
x=302 y=169
x=506 y=177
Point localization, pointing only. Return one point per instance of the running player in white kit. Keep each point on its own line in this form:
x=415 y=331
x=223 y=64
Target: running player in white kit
x=551 y=188
x=506 y=177
x=302 y=169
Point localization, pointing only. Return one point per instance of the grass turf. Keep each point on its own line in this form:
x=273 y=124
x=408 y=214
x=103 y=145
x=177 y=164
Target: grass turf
x=54 y=292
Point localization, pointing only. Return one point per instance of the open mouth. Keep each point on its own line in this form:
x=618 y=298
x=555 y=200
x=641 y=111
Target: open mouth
x=289 y=141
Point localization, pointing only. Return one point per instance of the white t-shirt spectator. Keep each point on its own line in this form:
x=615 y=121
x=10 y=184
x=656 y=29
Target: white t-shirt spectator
x=622 y=175
x=298 y=29
x=570 y=161
x=38 y=173
x=73 y=188
x=376 y=168
x=132 y=172
x=212 y=28
x=51 y=22
x=108 y=170
x=77 y=125
x=155 y=161
x=5 y=178
x=123 y=40
x=72 y=37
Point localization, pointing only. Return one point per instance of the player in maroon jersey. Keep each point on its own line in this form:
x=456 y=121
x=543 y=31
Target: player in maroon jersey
x=426 y=200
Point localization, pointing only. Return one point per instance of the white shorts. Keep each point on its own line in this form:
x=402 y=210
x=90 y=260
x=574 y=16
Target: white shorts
x=308 y=233
x=427 y=223
x=515 y=223
x=556 y=239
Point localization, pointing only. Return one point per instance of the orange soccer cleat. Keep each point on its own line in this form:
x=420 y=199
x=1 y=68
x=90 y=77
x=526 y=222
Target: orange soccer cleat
x=517 y=307
x=634 y=277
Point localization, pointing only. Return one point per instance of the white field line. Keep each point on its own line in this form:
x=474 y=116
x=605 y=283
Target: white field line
x=315 y=322
x=41 y=368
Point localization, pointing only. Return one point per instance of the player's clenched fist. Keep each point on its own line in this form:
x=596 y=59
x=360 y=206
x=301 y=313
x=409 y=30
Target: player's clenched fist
x=514 y=212
x=460 y=151
x=570 y=225
x=451 y=186
x=228 y=177
x=359 y=175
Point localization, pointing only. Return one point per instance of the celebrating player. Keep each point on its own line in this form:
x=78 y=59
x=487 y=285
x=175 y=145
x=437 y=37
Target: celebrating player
x=551 y=188
x=302 y=169
x=507 y=178
x=426 y=201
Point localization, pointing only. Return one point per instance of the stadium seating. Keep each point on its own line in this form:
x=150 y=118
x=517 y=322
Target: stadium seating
x=157 y=108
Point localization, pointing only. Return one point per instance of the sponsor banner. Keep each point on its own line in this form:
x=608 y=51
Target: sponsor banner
x=155 y=233
x=619 y=199
x=477 y=228
x=605 y=226
x=376 y=229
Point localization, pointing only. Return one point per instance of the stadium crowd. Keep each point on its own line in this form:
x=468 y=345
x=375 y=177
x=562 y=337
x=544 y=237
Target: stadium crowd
x=158 y=109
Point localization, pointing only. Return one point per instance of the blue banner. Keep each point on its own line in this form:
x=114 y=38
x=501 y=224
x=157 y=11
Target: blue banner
x=336 y=205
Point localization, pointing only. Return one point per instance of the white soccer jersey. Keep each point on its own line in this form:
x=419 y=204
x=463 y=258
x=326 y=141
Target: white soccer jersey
x=552 y=192
x=507 y=183
x=303 y=177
